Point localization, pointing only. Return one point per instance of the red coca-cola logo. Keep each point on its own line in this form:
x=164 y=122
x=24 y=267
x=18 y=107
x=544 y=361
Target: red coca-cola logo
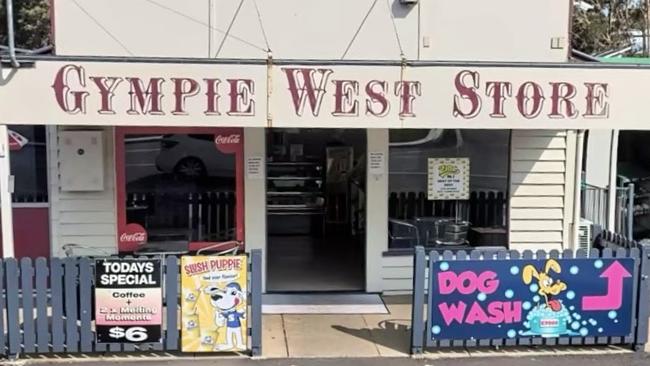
x=133 y=234
x=227 y=139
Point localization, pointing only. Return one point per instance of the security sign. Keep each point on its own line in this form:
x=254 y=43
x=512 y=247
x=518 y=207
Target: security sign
x=128 y=301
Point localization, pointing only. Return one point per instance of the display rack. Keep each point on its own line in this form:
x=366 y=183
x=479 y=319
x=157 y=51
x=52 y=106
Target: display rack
x=295 y=189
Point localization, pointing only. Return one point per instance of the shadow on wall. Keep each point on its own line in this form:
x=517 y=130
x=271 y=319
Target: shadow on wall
x=392 y=333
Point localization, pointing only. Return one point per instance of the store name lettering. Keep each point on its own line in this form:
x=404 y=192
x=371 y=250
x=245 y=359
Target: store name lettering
x=145 y=96
x=557 y=99
x=307 y=88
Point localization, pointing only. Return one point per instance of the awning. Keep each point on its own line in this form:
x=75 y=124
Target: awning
x=285 y=93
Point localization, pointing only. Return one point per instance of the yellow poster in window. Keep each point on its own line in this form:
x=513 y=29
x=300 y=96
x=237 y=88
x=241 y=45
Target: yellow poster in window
x=213 y=303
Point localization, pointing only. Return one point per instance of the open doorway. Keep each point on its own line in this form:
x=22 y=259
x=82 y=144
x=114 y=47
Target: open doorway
x=316 y=210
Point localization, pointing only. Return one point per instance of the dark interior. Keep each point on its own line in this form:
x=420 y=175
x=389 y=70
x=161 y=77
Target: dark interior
x=316 y=210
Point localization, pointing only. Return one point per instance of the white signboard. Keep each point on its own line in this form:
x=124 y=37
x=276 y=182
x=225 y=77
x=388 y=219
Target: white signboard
x=254 y=167
x=376 y=163
x=448 y=179
x=361 y=96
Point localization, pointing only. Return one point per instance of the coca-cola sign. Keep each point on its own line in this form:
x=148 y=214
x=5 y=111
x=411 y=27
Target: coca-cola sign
x=230 y=139
x=133 y=234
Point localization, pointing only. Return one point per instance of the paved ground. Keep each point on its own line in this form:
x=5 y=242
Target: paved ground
x=591 y=360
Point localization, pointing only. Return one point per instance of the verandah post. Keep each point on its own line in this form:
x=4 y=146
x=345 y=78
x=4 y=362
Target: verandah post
x=417 y=312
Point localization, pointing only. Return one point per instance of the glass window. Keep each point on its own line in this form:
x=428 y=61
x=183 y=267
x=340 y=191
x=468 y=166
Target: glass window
x=180 y=187
x=28 y=163
x=416 y=219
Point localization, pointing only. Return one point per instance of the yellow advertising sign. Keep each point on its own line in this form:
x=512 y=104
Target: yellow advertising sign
x=214 y=312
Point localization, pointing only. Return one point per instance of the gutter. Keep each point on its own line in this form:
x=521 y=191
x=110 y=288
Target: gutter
x=10 y=34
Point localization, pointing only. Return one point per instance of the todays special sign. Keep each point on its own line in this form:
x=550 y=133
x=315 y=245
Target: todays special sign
x=257 y=94
x=128 y=300
x=487 y=299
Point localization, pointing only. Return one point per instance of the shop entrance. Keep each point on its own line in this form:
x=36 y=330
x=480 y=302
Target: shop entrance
x=316 y=210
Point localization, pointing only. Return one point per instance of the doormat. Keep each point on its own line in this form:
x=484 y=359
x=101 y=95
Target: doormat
x=323 y=304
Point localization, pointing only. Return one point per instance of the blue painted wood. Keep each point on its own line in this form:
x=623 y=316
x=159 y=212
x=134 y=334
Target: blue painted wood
x=256 y=298
x=3 y=339
x=14 y=331
x=27 y=284
x=58 y=322
x=171 y=296
x=42 y=317
x=86 y=304
x=71 y=298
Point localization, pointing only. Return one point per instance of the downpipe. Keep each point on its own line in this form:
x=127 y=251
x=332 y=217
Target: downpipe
x=10 y=34
x=577 y=188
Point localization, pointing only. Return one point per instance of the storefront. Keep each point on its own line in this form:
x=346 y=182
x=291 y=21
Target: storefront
x=336 y=171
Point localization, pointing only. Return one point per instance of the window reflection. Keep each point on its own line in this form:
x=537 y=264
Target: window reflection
x=180 y=187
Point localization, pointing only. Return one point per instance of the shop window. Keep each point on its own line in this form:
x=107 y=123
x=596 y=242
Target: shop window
x=447 y=222
x=28 y=163
x=179 y=190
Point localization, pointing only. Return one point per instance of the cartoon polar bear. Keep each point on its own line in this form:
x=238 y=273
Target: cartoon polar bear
x=226 y=302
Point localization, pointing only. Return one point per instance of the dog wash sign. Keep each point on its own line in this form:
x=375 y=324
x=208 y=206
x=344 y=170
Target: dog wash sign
x=487 y=299
x=214 y=303
x=128 y=301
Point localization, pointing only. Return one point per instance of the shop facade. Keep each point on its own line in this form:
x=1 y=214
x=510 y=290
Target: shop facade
x=158 y=146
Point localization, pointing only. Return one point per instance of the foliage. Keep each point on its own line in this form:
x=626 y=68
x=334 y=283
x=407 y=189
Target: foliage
x=31 y=23
x=602 y=25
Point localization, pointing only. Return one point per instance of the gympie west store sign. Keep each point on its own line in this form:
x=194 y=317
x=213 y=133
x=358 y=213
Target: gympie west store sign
x=363 y=96
x=501 y=299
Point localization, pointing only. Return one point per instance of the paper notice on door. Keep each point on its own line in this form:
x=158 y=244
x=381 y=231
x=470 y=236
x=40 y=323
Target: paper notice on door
x=377 y=163
x=254 y=167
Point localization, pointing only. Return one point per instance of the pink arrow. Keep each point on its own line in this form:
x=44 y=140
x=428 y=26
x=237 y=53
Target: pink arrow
x=613 y=300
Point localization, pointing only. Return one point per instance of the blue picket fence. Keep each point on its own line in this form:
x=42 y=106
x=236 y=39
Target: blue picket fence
x=613 y=247
x=47 y=307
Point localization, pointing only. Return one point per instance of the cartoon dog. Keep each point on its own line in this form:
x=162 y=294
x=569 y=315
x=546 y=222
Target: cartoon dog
x=226 y=301
x=547 y=286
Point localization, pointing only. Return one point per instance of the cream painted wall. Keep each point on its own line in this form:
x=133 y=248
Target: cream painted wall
x=514 y=30
x=85 y=218
x=255 y=196
x=376 y=211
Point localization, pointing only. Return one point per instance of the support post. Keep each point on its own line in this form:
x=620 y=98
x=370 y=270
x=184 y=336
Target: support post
x=6 y=214
x=256 y=302
x=643 y=305
x=630 y=211
x=417 y=312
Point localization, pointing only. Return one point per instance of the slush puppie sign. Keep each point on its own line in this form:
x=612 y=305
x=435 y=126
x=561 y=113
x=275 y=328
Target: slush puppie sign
x=487 y=299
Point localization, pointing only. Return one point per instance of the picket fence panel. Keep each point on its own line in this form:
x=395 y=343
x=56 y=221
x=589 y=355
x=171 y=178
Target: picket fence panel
x=48 y=307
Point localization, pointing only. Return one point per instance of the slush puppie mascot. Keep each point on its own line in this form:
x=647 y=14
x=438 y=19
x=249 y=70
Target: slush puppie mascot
x=226 y=301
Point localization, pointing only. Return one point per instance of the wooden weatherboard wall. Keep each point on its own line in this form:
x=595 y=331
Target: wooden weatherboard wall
x=84 y=218
x=541 y=188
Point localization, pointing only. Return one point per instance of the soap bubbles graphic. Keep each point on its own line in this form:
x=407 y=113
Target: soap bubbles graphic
x=570 y=295
x=612 y=314
x=444 y=266
x=481 y=296
x=510 y=294
x=572 y=307
x=575 y=325
x=514 y=270
x=526 y=305
x=598 y=264
x=615 y=320
x=533 y=287
x=435 y=329
x=584 y=322
x=577 y=316
x=512 y=333
x=593 y=322
x=536 y=298
x=574 y=270
x=584 y=332
x=499 y=326
x=600 y=330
